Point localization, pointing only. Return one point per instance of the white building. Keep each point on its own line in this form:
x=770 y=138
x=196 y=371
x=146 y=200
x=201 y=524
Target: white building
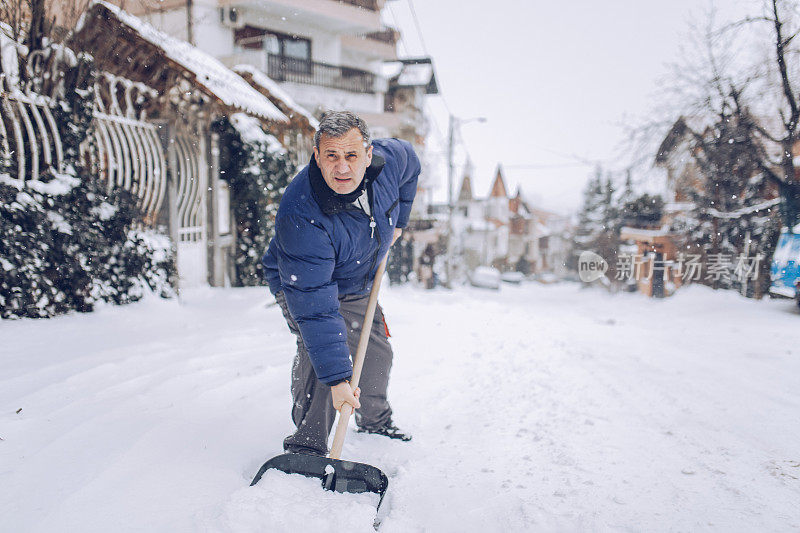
x=326 y=54
x=508 y=232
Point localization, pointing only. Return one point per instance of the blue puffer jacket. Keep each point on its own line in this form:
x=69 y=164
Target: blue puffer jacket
x=324 y=248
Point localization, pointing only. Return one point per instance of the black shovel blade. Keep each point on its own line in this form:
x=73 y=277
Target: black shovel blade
x=338 y=475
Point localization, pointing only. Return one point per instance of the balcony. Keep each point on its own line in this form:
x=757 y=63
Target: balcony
x=387 y=35
x=352 y=17
x=289 y=69
x=379 y=45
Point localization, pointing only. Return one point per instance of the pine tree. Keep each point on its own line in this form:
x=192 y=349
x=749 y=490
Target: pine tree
x=590 y=216
x=720 y=223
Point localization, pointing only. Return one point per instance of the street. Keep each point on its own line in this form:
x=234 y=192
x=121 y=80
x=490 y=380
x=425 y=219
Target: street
x=535 y=408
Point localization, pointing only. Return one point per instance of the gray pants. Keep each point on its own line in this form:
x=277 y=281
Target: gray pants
x=312 y=411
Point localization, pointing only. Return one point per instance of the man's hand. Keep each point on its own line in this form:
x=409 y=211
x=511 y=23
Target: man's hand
x=343 y=393
x=397 y=233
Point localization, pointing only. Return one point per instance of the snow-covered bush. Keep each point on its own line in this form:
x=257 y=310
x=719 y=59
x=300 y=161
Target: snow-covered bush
x=65 y=243
x=257 y=169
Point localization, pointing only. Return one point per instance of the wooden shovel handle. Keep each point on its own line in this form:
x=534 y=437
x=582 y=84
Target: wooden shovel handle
x=358 y=360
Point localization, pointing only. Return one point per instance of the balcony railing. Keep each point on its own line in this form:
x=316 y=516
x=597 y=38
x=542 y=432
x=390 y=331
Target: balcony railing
x=282 y=68
x=387 y=35
x=372 y=5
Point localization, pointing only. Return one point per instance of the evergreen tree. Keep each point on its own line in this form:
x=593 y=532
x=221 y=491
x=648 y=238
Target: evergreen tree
x=720 y=222
x=590 y=216
x=258 y=170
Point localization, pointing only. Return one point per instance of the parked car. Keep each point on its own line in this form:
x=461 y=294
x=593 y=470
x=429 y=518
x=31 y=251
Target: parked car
x=785 y=271
x=513 y=277
x=549 y=277
x=486 y=277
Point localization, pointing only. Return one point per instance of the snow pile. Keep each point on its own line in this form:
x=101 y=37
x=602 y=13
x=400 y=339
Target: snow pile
x=272 y=505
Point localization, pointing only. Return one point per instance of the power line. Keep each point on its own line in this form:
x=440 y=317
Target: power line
x=397 y=25
x=419 y=28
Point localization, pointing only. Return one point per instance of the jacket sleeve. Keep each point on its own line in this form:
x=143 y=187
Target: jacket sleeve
x=407 y=167
x=306 y=260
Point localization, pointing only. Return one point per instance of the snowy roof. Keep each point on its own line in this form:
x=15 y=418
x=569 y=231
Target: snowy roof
x=465 y=194
x=265 y=82
x=218 y=80
x=499 y=185
x=390 y=69
x=414 y=73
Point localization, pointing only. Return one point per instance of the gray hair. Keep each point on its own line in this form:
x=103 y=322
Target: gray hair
x=338 y=123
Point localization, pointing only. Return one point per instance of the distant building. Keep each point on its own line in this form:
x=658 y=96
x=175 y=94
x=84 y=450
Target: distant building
x=508 y=233
x=659 y=270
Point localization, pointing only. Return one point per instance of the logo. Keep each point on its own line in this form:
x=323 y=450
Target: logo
x=591 y=266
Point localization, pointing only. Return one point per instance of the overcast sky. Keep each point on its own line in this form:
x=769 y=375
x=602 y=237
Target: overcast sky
x=554 y=79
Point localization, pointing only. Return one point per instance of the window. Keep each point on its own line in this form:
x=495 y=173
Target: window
x=296 y=49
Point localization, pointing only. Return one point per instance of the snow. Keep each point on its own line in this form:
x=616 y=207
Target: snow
x=264 y=81
x=59 y=185
x=639 y=232
x=744 y=210
x=59 y=222
x=104 y=211
x=251 y=131
x=415 y=75
x=533 y=408
x=9 y=60
x=222 y=82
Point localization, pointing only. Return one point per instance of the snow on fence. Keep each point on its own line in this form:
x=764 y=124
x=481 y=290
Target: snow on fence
x=187 y=160
x=29 y=137
x=129 y=149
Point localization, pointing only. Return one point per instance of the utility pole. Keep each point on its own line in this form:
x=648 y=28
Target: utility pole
x=452 y=124
x=448 y=266
x=190 y=21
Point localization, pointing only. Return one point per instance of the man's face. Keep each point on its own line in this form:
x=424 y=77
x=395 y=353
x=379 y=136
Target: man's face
x=343 y=160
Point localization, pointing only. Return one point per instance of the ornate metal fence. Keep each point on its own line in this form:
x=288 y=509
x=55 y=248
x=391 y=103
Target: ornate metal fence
x=130 y=154
x=187 y=160
x=29 y=138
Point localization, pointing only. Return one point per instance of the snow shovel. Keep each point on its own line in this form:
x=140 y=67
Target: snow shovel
x=336 y=474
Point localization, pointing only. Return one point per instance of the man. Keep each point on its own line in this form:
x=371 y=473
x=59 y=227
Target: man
x=335 y=222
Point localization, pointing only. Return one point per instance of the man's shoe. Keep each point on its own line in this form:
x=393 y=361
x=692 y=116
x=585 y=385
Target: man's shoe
x=387 y=430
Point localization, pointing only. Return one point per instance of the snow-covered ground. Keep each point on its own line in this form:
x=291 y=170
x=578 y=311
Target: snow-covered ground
x=536 y=408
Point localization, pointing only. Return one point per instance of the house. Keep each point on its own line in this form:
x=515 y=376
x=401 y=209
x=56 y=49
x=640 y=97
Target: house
x=155 y=107
x=550 y=243
x=324 y=54
x=410 y=82
x=508 y=233
x=664 y=258
x=318 y=55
